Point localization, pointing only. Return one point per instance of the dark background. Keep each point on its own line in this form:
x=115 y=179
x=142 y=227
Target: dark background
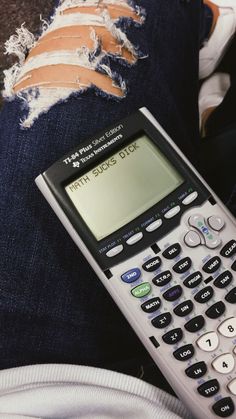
x=13 y=14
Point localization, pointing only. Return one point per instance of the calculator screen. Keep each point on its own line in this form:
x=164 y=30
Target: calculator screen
x=123 y=186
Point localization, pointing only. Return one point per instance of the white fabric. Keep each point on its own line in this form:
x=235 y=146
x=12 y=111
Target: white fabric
x=71 y=391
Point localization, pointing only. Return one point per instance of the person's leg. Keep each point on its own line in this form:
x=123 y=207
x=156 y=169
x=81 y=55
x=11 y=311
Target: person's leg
x=52 y=306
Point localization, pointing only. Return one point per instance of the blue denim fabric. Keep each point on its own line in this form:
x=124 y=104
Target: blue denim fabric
x=52 y=306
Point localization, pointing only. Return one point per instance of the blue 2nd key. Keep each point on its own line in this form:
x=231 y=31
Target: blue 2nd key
x=131 y=276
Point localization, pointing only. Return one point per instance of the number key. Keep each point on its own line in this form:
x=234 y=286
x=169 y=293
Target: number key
x=208 y=342
x=228 y=328
x=224 y=364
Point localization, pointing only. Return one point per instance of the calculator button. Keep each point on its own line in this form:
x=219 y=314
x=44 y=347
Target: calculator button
x=131 y=276
x=172 y=251
x=190 y=198
x=223 y=364
x=224 y=407
x=208 y=342
x=183 y=265
x=172 y=212
x=228 y=328
x=151 y=305
x=234 y=266
x=193 y=280
x=162 y=279
x=216 y=222
x=154 y=226
x=173 y=293
x=229 y=249
x=134 y=239
x=114 y=251
x=184 y=353
x=212 y=265
x=210 y=388
x=196 y=370
x=211 y=239
x=195 y=324
x=173 y=336
x=204 y=295
x=192 y=239
x=232 y=386
x=216 y=310
x=184 y=308
x=141 y=290
x=231 y=296
x=223 y=280
x=162 y=321
x=152 y=264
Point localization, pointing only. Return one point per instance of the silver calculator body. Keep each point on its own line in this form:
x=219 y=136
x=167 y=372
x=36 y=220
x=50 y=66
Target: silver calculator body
x=168 y=262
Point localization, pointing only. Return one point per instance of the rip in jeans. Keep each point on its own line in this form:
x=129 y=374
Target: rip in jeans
x=72 y=54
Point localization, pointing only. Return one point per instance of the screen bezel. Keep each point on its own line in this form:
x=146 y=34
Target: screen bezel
x=59 y=175
x=158 y=154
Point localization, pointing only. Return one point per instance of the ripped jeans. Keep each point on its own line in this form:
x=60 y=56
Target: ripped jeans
x=53 y=309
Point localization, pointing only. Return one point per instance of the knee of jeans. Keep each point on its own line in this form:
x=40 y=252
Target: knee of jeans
x=74 y=52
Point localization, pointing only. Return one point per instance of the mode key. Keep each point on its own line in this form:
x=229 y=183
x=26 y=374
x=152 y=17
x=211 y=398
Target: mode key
x=152 y=264
x=212 y=265
x=183 y=265
x=172 y=251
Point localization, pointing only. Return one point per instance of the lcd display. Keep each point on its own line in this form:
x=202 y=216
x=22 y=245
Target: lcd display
x=123 y=186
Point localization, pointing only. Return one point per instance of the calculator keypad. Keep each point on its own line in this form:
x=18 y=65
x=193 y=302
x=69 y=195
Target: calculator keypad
x=216 y=310
x=209 y=389
x=195 y=324
x=197 y=370
x=208 y=342
x=179 y=305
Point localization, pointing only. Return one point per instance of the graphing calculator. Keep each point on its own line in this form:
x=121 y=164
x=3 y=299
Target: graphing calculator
x=163 y=245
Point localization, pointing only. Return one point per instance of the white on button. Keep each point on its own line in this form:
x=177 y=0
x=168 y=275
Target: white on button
x=208 y=342
x=172 y=212
x=224 y=364
x=192 y=239
x=115 y=251
x=216 y=222
x=232 y=386
x=190 y=198
x=153 y=226
x=228 y=328
x=134 y=239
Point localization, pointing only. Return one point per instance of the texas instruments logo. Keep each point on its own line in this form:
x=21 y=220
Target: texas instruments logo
x=76 y=164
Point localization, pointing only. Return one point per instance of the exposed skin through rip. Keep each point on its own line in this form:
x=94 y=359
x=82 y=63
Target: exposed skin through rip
x=75 y=38
x=114 y=11
x=69 y=76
